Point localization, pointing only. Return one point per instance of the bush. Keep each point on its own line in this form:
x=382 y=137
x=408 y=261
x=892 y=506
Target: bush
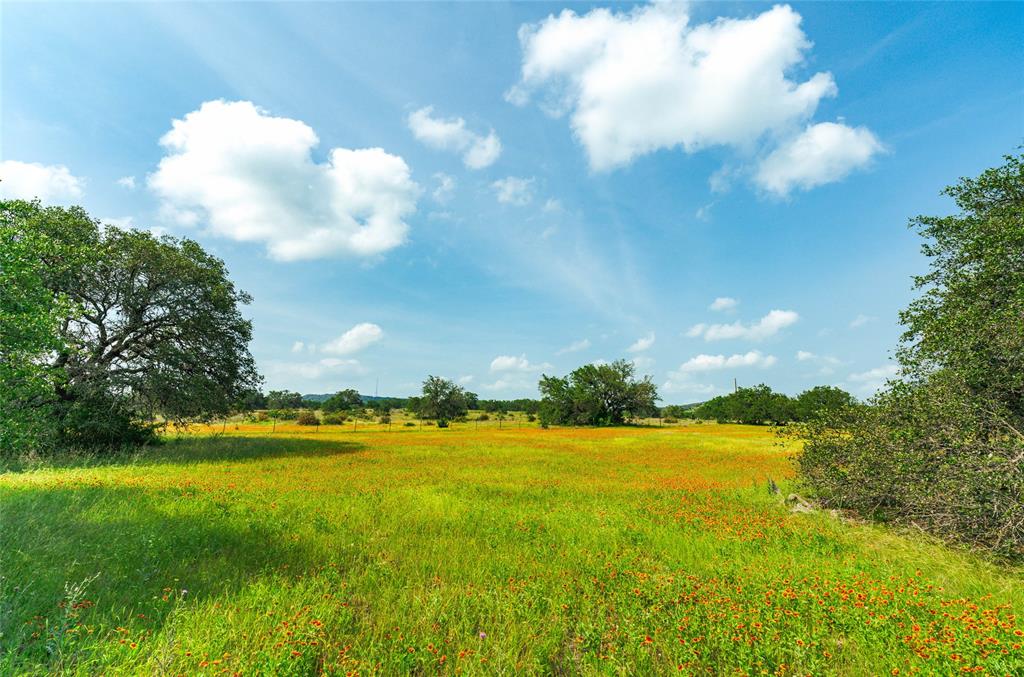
x=943 y=448
x=307 y=417
x=442 y=423
x=670 y=420
x=483 y=417
x=410 y=424
x=334 y=419
x=531 y=418
x=925 y=456
x=96 y=420
x=385 y=419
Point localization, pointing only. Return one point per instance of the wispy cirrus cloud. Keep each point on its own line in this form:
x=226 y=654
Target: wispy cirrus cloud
x=871 y=381
x=575 y=347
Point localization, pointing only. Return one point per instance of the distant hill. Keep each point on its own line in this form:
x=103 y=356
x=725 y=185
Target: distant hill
x=322 y=397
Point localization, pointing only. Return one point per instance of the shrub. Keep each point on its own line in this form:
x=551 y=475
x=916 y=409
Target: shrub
x=923 y=456
x=442 y=423
x=385 y=419
x=307 y=417
x=483 y=417
x=531 y=418
x=943 y=448
x=669 y=419
x=410 y=424
x=96 y=420
x=334 y=419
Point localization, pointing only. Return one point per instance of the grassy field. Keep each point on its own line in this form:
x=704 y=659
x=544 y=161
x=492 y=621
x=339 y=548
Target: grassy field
x=475 y=551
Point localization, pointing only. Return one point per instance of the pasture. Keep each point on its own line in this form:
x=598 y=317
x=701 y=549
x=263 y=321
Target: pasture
x=641 y=550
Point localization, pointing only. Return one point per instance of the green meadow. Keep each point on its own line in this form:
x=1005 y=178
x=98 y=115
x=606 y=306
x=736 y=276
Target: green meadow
x=520 y=550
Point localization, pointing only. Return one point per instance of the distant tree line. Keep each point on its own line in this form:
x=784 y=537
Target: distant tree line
x=760 y=405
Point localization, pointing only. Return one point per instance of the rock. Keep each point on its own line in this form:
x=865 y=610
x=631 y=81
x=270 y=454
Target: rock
x=798 y=504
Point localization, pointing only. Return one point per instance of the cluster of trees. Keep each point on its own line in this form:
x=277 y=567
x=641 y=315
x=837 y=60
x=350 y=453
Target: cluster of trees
x=760 y=405
x=525 y=405
x=442 y=400
x=101 y=329
x=942 y=448
x=597 y=394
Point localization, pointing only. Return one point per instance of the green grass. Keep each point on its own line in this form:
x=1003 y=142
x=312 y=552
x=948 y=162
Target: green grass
x=629 y=551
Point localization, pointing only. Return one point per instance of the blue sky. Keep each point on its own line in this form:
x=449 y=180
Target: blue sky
x=616 y=170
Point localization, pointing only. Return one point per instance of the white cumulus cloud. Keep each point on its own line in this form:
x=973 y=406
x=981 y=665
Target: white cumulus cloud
x=127 y=182
x=252 y=177
x=638 y=81
x=478 y=150
x=702 y=362
x=514 y=190
x=514 y=363
x=823 y=153
x=30 y=180
x=642 y=344
x=355 y=339
x=723 y=303
x=769 y=325
x=684 y=379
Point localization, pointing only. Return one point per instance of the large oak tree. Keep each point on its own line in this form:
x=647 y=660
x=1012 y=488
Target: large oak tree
x=152 y=326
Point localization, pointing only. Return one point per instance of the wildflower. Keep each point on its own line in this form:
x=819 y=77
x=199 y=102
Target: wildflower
x=483 y=635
